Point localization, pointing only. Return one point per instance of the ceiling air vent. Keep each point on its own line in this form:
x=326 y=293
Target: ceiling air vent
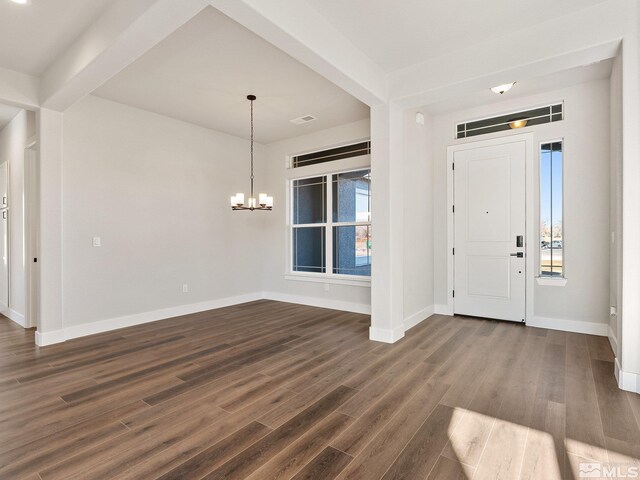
x=509 y=121
x=302 y=120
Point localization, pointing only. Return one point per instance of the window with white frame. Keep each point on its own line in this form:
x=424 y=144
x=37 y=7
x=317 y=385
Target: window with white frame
x=331 y=223
x=551 y=206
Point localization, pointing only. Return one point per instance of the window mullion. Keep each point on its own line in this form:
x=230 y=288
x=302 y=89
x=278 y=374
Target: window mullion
x=329 y=228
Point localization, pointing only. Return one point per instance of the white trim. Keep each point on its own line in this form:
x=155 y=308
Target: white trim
x=613 y=340
x=15 y=316
x=334 y=279
x=75 y=331
x=385 y=335
x=30 y=230
x=443 y=310
x=319 y=302
x=530 y=230
x=421 y=315
x=565 y=325
x=627 y=381
x=551 y=282
x=49 y=338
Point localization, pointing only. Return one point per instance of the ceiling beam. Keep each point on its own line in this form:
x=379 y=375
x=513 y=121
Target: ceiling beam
x=18 y=89
x=123 y=33
x=587 y=36
x=302 y=32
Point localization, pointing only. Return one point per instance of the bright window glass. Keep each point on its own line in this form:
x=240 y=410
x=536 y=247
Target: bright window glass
x=551 y=205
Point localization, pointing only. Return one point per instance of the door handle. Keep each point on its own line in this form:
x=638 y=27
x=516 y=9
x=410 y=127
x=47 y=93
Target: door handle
x=518 y=254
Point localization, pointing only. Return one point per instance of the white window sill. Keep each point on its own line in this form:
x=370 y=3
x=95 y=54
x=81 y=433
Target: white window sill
x=551 y=282
x=333 y=279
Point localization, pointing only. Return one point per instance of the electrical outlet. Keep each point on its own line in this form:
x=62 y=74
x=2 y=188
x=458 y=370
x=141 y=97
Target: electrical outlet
x=96 y=241
x=185 y=288
x=613 y=311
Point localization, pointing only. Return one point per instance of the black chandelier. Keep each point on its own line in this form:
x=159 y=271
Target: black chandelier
x=263 y=202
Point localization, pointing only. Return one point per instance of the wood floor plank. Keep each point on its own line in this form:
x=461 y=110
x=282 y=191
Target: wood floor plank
x=383 y=449
x=260 y=452
x=327 y=465
x=544 y=455
x=52 y=449
x=120 y=453
x=291 y=459
x=447 y=469
x=618 y=420
x=207 y=460
x=353 y=440
x=584 y=433
x=422 y=452
x=175 y=455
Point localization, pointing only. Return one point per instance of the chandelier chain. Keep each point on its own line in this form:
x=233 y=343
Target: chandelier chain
x=251 y=148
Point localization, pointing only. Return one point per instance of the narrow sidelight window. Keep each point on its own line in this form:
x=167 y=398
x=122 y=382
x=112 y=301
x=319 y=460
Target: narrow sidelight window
x=551 y=232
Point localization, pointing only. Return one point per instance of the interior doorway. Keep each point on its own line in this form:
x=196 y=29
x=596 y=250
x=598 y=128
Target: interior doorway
x=18 y=215
x=4 y=235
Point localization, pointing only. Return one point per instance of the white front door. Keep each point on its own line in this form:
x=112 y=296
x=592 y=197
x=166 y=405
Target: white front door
x=489 y=228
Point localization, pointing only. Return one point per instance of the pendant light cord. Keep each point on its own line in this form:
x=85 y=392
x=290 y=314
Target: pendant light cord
x=251 y=148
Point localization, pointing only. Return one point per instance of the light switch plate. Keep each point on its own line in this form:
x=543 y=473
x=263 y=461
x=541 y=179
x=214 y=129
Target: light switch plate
x=96 y=241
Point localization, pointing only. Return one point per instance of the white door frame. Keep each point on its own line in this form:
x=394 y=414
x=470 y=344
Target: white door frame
x=30 y=229
x=531 y=237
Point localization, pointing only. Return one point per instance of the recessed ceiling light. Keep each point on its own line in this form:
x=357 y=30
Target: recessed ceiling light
x=502 y=88
x=22 y=2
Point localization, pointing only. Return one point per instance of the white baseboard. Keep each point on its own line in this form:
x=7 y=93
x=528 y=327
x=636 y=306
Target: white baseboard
x=101 y=326
x=413 y=320
x=628 y=381
x=49 y=338
x=75 y=331
x=442 y=310
x=319 y=302
x=15 y=316
x=577 y=326
x=393 y=335
x=613 y=340
x=386 y=335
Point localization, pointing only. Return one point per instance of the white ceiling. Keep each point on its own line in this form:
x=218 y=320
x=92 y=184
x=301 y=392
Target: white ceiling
x=203 y=72
x=6 y=114
x=396 y=34
x=525 y=87
x=32 y=36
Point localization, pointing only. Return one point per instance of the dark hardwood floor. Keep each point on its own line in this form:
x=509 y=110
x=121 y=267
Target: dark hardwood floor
x=271 y=390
